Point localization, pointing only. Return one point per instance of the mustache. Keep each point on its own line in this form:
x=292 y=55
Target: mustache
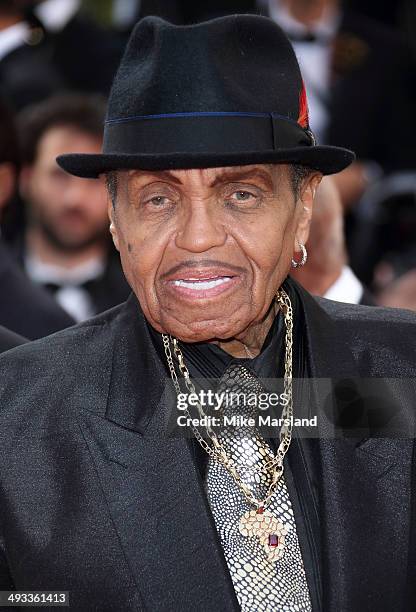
x=73 y=212
x=202 y=263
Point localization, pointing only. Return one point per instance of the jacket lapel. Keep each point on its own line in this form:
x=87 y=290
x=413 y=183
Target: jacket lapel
x=363 y=488
x=151 y=485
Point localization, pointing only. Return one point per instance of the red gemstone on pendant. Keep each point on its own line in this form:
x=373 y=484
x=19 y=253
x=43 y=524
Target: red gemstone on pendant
x=260 y=510
x=273 y=540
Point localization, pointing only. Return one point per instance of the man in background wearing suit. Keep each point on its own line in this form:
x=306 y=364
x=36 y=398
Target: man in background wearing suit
x=25 y=308
x=51 y=46
x=65 y=247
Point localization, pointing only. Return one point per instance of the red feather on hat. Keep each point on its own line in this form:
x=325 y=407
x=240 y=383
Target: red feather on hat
x=303 y=118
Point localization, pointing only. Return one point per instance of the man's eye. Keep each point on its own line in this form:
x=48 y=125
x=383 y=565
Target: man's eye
x=158 y=200
x=243 y=196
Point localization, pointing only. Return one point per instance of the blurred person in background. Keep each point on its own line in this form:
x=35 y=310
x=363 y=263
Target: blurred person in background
x=383 y=245
x=126 y=12
x=401 y=293
x=27 y=73
x=360 y=86
x=328 y=273
x=86 y=54
x=24 y=308
x=65 y=246
x=49 y=46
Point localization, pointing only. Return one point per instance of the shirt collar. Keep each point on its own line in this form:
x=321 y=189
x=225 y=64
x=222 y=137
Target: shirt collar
x=264 y=365
x=55 y=14
x=347 y=288
x=44 y=273
x=13 y=37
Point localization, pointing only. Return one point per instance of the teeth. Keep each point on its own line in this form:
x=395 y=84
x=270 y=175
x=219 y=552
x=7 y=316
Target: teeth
x=201 y=285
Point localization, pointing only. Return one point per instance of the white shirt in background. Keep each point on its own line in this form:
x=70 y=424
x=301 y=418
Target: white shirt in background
x=347 y=288
x=71 y=296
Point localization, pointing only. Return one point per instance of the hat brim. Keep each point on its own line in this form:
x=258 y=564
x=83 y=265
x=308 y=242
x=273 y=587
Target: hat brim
x=324 y=159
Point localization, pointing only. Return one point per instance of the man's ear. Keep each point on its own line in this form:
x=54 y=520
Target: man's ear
x=113 y=227
x=305 y=203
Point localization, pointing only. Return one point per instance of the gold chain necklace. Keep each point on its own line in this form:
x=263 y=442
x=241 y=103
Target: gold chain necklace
x=216 y=450
x=248 y=352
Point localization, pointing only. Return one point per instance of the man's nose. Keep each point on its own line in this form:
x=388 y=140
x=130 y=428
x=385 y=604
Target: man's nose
x=75 y=192
x=200 y=229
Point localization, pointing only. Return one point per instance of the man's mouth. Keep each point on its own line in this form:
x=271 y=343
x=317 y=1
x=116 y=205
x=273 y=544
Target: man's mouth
x=197 y=281
x=202 y=284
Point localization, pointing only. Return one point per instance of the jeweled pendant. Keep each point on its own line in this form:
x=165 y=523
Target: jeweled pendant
x=271 y=532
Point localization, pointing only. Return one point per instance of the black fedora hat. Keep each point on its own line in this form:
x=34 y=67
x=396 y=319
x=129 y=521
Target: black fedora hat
x=220 y=93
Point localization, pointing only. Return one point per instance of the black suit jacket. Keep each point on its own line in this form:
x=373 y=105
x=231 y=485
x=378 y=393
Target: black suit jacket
x=25 y=308
x=28 y=75
x=9 y=339
x=95 y=499
x=367 y=298
x=111 y=288
x=85 y=55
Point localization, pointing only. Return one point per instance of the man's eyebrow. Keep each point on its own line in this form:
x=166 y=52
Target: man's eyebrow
x=165 y=175
x=231 y=175
x=236 y=176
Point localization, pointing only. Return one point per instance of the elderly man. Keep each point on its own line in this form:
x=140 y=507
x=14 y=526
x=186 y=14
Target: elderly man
x=211 y=170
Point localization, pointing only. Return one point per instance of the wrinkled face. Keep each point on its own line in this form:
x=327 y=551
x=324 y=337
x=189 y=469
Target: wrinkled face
x=71 y=212
x=205 y=250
